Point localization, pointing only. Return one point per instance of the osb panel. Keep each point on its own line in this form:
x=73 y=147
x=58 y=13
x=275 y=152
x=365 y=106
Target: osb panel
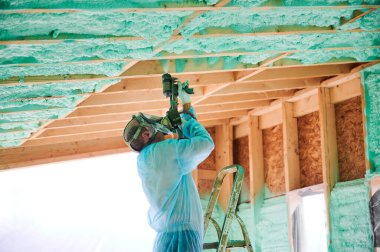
x=350 y=139
x=241 y=157
x=274 y=159
x=205 y=187
x=209 y=163
x=309 y=145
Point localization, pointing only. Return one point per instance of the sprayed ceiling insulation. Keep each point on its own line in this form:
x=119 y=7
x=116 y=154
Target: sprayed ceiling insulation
x=56 y=54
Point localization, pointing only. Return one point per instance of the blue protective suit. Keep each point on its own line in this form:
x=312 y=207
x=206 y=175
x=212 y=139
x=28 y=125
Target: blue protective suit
x=165 y=170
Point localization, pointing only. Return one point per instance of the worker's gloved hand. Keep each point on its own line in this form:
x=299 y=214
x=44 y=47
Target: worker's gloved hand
x=185 y=97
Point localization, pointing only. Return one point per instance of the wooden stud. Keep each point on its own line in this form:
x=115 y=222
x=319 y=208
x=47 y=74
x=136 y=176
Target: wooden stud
x=306 y=105
x=241 y=130
x=328 y=145
x=256 y=157
x=270 y=119
x=345 y=91
x=223 y=153
x=291 y=152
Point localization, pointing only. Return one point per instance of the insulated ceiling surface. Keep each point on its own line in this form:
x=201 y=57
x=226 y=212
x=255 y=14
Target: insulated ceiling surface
x=75 y=71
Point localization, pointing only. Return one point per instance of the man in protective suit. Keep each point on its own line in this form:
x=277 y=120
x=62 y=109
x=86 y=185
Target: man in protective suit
x=165 y=167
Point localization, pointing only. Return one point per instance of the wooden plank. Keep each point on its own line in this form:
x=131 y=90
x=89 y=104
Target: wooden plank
x=223 y=158
x=345 y=91
x=291 y=153
x=241 y=130
x=256 y=161
x=298 y=72
x=124 y=97
x=306 y=106
x=328 y=138
x=206 y=174
x=328 y=145
x=247 y=97
x=230 y=106
x=269 y=86
x=32 y=155
x=270 y=119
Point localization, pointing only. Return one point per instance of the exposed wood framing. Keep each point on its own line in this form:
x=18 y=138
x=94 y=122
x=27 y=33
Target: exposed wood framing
x=223 y=154
x=270 y=119
x=32 y=155
x=256 y=161
x=328 y=144
x=291 y=153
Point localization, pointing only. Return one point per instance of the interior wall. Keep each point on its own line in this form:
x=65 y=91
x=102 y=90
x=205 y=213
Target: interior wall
x=274 y=160
x=350 y=139
x=241 y=157
x=309 y=145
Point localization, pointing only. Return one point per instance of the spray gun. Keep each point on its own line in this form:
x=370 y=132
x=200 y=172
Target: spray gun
x=172 y=120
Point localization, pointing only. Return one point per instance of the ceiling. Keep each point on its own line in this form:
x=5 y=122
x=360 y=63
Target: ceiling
x=72 y=73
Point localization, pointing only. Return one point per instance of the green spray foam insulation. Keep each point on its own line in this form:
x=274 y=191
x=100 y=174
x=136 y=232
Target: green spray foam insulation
x=110 y=69
x=272 y=226
x=70 y=51
x=91 y=24
x=101 y=4
x=255 y=3
x=275 y=43
x=247 y=21
x=370 y=80
x=351 y=229
x=368 y=22
x=25 y=108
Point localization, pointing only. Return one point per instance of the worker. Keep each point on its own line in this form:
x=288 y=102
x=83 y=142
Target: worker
x=165 y=167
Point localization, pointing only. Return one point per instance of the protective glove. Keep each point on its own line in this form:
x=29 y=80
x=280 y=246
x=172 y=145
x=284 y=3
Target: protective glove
x=185 y=97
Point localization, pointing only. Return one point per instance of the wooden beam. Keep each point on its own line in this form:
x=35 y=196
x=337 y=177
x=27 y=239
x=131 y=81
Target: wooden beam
x=345 y=91
x=269 y=86
x=299 y=72
x=256 y=162
x=223 y=158
x=291 y=152
x=206 y=174
x=328 y=144
x=247 y=97
x=230 y=106
x=306 y=105
x=241 y=130
x=32 y=155
x=270 y=119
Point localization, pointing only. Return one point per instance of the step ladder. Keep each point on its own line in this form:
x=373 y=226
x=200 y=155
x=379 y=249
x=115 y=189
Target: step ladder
x=223 y=243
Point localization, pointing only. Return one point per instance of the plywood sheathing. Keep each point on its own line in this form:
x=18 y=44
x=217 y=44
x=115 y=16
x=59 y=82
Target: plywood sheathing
x=350 y=140
x=309 y=142
x=274 y=160
x=241 y=157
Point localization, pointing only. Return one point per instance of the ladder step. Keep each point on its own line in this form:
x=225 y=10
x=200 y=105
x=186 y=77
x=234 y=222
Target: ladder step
x=230 y=244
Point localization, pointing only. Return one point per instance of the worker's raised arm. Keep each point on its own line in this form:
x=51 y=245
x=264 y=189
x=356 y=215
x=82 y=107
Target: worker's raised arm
x=195 y=148
x=198 y=143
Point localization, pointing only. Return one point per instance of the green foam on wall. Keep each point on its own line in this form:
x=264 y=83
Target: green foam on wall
x=277 y=43
x=104 y=68
x=34 y=115
x=273 y=226
x=14 y=135
x=351 y=229
x=11 y=143
x=371 y=82
x=20 y=126
x=96 y=23
x=247 y=21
